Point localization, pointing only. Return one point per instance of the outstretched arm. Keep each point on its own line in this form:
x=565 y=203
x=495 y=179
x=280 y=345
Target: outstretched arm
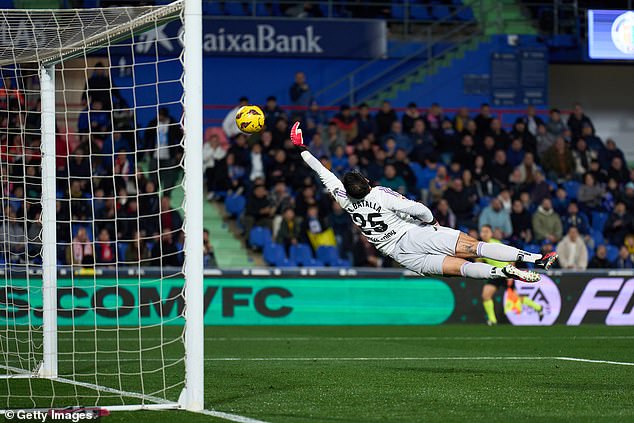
x=330 y=181
x=397 y=203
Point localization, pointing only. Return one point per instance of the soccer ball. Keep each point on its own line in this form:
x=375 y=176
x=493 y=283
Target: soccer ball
x=250 y=119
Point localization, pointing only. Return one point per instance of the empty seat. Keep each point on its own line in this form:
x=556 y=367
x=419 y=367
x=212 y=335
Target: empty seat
x=301 y=254
x=612 y=252
x=259 y=237
x=328 y=255
x=598 y=220
x=274 y=254
x=235 y=205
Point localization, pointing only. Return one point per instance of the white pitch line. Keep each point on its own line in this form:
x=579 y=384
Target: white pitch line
x=587 y=360
x=353 y=338
x=231 y=417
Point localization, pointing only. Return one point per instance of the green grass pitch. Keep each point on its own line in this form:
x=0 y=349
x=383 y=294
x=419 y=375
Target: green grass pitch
x=454 y=373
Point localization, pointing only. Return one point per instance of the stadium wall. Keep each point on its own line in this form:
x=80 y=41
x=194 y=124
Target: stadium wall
x=330 y=297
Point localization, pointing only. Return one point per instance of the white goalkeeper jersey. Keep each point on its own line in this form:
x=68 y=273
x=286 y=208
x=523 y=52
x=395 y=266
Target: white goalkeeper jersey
x=384 y=215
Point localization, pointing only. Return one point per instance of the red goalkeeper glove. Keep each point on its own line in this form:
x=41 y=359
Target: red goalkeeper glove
x=296 y=135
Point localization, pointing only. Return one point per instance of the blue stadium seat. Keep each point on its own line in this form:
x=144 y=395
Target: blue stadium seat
x=440 y=11
x=6 y=4
x=122 y=248
x=484 y=202
x=465 y=14
x=236 y=9
x=212 y=8
x=313 y=263
x=532 y=248
x=420 y=12
x=235 y=205
x=398 y=11
x=274 y=254
x=597 y=237
x=598 y=220
x=328 y=255
x=301 y=254
x=572 y=188
x=343 y=263
x=285 y=262
x=590 y=252
x=259 y=237
x=613 y=252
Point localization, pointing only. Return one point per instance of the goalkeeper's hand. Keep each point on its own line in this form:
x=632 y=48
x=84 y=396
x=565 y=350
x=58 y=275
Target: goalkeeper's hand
x=296 y=135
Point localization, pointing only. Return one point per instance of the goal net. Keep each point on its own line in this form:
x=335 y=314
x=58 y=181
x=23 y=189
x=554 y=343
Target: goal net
x=101 y=218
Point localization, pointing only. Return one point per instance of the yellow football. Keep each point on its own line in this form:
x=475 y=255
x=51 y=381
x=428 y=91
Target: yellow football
x=250 y=119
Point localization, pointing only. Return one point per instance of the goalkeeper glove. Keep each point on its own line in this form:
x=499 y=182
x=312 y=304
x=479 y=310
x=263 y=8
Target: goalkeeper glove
x=296 y=135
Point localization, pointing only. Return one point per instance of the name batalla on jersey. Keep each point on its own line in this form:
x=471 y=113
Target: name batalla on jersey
x=364 y=203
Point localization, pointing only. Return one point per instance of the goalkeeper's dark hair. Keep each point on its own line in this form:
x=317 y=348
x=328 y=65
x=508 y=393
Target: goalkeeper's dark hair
x=356 y=185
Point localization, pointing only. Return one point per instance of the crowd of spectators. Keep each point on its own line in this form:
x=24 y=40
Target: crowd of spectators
x=114 y=182
x=546 y=182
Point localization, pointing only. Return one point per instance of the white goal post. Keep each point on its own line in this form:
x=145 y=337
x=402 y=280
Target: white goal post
x=101 y=188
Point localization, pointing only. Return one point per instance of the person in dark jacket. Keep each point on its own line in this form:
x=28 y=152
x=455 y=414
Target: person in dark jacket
x=600 y=259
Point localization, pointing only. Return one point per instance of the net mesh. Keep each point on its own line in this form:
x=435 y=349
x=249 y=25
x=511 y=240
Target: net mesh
x=119 y=205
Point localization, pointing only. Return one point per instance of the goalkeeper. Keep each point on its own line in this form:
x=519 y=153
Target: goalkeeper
x=408 y=232
x=514 y=301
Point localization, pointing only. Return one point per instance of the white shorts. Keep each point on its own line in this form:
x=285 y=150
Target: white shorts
x=423 y=249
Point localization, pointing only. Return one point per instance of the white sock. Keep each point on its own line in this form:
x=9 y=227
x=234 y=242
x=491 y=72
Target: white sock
x=480 y=271
x=503 y=252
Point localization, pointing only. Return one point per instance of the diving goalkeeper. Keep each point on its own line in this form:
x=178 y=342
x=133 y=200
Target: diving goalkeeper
x=408 y=232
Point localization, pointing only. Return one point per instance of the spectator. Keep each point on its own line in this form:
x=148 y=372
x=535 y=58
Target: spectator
x=163 y=136
x=317 y=147
x=572 y=251
x=483 y=120
x=558 y=161
x=577 y=219
x=410 y=116
x=105 y=249
x=300 y=93
x=439 y=184
x=544 y=139
x=290 y=231
x=618 y=171
x=590 y=194
x=366 y=125
x=444 y=214
x=422 y=141
x=600 y=259
x=531 y=120
x=137 y=251
x=619 y=224
x=165 y=252
x=229 y=125
x=434 y=118
x=520 y=131
x=80 y=252
x=346 y=123
x=627 y=197
x=496 y=217
x=624 y=260
x=171 y=219
x=555 y=125
x=333 y=137
x=279 y=169
x=259 y=210
x=396 y=133
x=460 y=203
x=515 y=153
x=257 y=162
x=236 y=176
x=466 y=155
x=272 y=112
x=499 y=135
x=209 y=258
x=384 y=119
x=461 y=119
x=392 y=180
x=583 y=157
x=547 y=223
x=99 y=87
x=594 y=143
x=500 y=169
x=521 y=223
x=609 y=153
x=315 y=115
x=280 y=197
x=528 y=169
x=576 y=121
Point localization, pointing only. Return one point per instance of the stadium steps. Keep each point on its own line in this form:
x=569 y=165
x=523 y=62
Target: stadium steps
x=420 y=74
x=229 y=250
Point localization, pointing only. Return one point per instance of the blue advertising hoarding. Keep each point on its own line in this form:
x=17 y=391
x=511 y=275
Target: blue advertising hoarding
x=611 y=34
x=276 y=38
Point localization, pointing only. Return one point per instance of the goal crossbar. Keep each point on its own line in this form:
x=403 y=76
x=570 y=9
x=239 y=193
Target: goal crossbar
x=87 y=31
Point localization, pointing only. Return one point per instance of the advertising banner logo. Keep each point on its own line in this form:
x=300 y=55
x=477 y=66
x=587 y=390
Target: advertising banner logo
x=544 y=293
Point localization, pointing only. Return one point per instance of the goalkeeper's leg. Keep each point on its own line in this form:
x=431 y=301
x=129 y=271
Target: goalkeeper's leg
x=468 y=247
x=454 y=266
